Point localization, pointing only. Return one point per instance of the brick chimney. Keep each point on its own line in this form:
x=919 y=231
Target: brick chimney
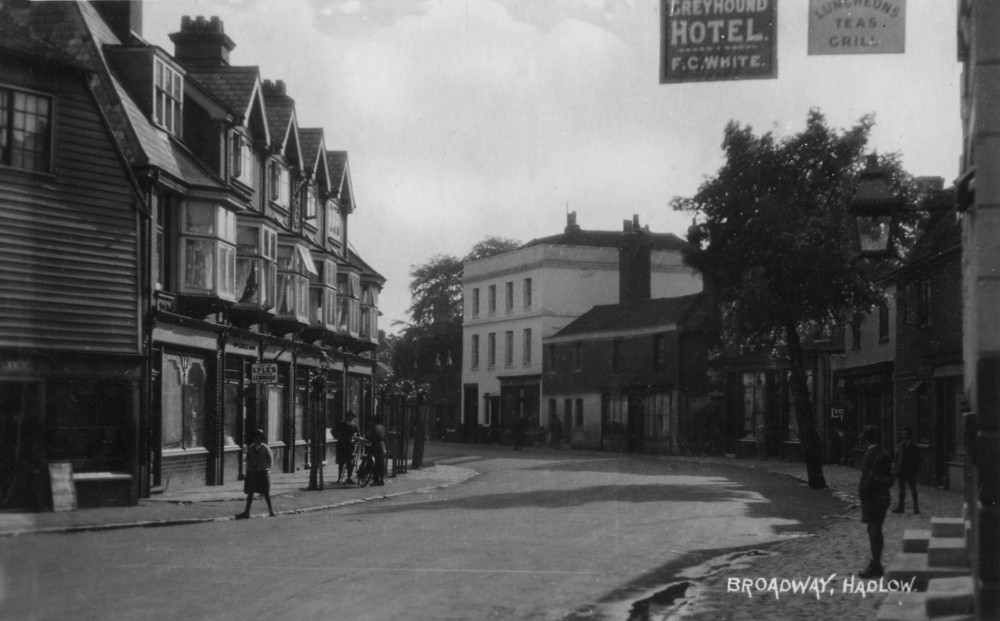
x=202 y=42
x=277 y=87
x=634 y=263
x=123 y=17
x=571 y=225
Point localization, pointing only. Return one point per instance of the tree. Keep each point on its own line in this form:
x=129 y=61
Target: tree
x=773 y=237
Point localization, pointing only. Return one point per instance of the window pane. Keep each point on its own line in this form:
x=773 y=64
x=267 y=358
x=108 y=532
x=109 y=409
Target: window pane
x=275 y=412
x=199 y=262
x=300 y=413
x=171 y=400
x=268 y=284
x=248 y=240
x=232 y=411
x=247 y=276
x=227 y=270
x=199 y=219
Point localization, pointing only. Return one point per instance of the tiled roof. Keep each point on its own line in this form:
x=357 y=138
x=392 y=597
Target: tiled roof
x=279 y=114
x=337 y=161
x=311 y=139
x=691 y=310
x=231 y=85
x=612 y=239
x=19 y=39
x=366 y=270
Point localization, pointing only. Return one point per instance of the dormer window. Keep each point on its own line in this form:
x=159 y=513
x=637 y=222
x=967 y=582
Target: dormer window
x=168 y=97
x=281 y=185
x=208 y=250
x=334 y=224
x=244 y=162
x=312 y=204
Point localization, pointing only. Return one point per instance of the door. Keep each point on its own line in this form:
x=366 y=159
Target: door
x=470 y=415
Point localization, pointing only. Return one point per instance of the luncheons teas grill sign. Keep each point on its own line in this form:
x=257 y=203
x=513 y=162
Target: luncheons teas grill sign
x=857 y=26
x=706 y=40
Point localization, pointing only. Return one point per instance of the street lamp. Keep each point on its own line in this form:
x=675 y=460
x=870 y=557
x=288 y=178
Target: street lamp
x=874 y=206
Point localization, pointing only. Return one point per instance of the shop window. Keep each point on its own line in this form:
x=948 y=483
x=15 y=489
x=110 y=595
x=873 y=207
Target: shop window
x=183 y=402
x=25 y=130
x=275 y=413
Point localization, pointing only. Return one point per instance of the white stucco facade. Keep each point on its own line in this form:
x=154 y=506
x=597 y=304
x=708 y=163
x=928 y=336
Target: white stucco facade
x=551 y=285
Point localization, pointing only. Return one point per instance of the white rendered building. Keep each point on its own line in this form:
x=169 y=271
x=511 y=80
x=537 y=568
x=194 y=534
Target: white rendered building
x=514 y=299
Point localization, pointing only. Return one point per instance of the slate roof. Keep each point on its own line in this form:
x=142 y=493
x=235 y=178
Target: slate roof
x=233 y=86
x=611 y=239
x=687 y=311
x=311 y=139
x=337 y=161
x=279 y=114
x=19 y=40
x=366 y=270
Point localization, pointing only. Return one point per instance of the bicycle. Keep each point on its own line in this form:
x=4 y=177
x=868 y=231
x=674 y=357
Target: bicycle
x=363 y=462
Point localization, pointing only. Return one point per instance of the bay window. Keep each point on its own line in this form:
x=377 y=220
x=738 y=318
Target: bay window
x=256 y=265
x=323 y=296
x=348 y=312
x=208 y=250
x=369 y=314
x=294 y=266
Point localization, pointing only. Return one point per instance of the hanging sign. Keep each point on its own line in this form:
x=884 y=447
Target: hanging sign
x=857 y=27
x=708 y=40
x=264 y=373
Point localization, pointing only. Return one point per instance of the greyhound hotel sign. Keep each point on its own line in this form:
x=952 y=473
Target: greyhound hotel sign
x=857 y=26
x=705 y=40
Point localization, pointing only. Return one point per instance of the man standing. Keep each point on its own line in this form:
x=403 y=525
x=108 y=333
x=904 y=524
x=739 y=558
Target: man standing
x=377 y=439
x=344 y=433
x=907 y=465
x=874 y=490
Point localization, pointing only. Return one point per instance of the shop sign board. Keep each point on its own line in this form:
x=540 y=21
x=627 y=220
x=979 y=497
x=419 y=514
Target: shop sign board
x=710 y=40
x=857 y=27
x=264 y=373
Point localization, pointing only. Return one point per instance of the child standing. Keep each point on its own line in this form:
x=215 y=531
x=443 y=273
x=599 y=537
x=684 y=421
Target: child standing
x=258 y=477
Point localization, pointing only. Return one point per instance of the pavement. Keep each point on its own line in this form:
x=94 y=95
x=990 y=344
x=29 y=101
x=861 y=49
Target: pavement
x=218 y=503
x=840 y=547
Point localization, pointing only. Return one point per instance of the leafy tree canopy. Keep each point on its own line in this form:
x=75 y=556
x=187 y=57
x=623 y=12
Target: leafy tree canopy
x=772 y=228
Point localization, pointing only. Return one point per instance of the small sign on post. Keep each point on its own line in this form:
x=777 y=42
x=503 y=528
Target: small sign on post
x=63 y=488
x=264 y=373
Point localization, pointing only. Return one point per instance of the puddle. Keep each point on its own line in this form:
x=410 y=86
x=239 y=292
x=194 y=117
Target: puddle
x=660 y=604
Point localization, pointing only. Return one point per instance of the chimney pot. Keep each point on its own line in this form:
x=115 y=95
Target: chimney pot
x=635 y=221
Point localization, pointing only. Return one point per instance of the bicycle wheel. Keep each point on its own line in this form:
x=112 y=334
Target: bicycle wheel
x=364 y=473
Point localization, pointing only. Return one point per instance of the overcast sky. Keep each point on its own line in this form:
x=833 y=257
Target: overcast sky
x=468 y=118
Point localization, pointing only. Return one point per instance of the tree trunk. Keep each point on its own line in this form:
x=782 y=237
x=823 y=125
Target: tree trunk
x=802 y=406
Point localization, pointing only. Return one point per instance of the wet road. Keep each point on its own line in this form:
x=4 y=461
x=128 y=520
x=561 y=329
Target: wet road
x=537 y=535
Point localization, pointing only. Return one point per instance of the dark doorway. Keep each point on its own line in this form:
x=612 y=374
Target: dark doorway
x=470 y=415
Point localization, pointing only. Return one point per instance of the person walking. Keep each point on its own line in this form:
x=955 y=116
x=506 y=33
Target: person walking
x=344 y=433
x=377 y=440
x=258 y=474
x=874 y=490
x=906 y=466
